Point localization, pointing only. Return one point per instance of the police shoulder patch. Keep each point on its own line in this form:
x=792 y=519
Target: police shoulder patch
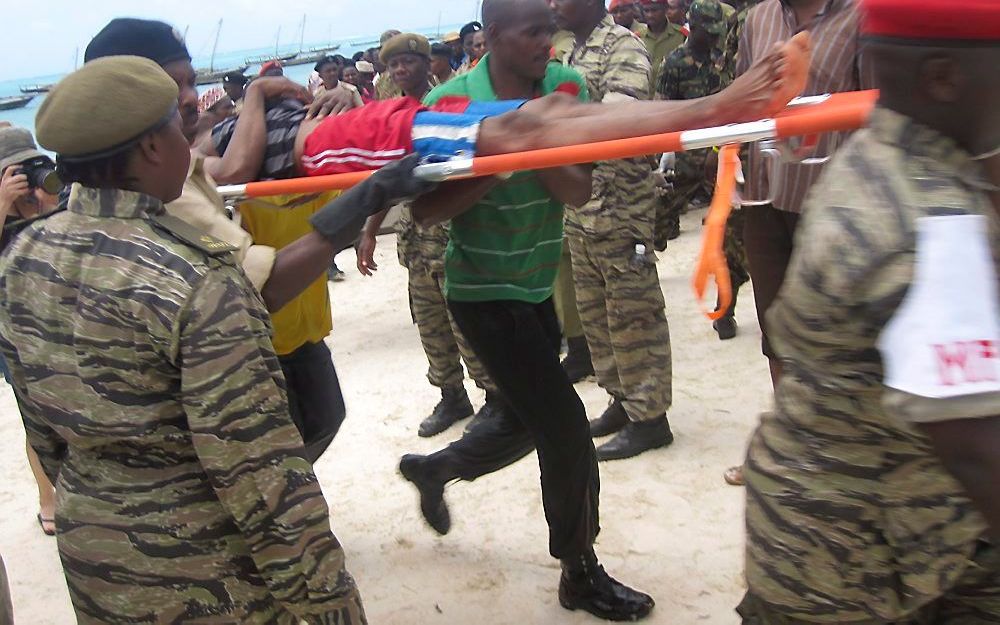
x=186 y=233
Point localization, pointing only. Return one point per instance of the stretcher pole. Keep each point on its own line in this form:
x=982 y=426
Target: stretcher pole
x=806 y=116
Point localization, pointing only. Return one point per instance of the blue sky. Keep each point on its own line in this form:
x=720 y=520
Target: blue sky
x=39 y=38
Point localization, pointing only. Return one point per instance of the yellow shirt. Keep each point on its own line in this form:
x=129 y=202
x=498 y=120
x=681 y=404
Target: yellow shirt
x=276 y=222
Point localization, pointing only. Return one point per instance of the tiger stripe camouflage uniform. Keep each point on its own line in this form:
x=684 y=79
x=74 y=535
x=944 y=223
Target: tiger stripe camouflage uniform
x=421 y=250
x=850 y=515
x=618 y=296
x=150 y=390
x=685 y=77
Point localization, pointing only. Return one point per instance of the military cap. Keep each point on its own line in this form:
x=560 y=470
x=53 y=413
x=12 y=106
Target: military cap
x=440 y=49
x=468 y=29
x=127 y=36
x=105 y=107
x=387 y=35
x=708 y=14
x=404 y=43
x=364 y=67
x=16 y=146
x=235 y=78
x=916 y=21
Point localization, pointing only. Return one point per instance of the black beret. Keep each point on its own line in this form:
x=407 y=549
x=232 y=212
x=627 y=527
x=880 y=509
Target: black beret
x=441 y=49
x=468 y=29
x=128 y=36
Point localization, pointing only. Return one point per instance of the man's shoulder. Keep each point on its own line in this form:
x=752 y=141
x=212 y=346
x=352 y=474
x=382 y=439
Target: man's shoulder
x=558 y=75
x=457 y=85
x=680 y=57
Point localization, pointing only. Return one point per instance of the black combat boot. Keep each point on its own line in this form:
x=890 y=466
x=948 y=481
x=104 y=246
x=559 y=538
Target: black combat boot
x=584 y=585
x=489 y=409
x=613 y=419
x=725 y=326
x=454 y=406
x=637 y=437
x=577 y=363
x=420 y=470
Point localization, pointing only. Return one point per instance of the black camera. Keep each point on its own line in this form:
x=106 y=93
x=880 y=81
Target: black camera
x=41 y=173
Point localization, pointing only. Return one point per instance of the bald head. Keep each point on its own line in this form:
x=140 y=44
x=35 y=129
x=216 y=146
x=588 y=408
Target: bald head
x=504 y=13
x=954 y=89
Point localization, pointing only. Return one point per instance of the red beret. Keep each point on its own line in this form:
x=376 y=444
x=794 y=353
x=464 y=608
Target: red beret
x=647 y=3
x=965 y=20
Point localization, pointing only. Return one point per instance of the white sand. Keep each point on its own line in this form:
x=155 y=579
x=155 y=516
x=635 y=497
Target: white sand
x=671 y=526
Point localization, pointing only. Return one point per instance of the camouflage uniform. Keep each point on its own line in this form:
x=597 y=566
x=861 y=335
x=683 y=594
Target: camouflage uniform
x=387 y=89
x=686 y=77
x=6 y=610
x=618 y=295
x=851 y=517
x=421 y=250
x=152 y=395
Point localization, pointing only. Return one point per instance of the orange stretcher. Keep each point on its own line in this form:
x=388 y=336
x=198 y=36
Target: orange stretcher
x=804 y=117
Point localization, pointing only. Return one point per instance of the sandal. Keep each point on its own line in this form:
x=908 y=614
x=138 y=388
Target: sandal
x=734 y=476
x=48 y=525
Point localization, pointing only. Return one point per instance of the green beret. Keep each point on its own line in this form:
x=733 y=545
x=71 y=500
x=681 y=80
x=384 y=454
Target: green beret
x=405 y=43
x=104 y=107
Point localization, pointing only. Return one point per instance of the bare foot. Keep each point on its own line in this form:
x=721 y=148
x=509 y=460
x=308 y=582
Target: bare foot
x=772 y=82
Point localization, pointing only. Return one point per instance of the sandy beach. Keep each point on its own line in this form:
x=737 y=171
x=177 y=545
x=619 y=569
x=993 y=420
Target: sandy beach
x=671 y=526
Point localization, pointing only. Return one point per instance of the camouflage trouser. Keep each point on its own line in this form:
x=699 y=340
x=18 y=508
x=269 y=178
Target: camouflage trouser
x=564 y=297
x=625 y=322
x=668 y=211
x=442 y=341
x=974 y=600
x=6 y=610
x=736 y=254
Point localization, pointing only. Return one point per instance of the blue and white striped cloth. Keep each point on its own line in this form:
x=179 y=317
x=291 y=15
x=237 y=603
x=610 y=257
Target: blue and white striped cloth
x=439 y=136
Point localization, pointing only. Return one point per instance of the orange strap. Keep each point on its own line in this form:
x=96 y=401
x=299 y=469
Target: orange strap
x=712 y=261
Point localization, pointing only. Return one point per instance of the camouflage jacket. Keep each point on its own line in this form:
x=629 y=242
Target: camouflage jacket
x=685 y=77
x=387 y=89
x=142 y=359
x=616 y=67
x=850 y=514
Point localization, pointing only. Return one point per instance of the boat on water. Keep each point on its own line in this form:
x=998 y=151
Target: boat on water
x=312 y=56
x=15 y=102
x=211 y=75
x=36 y=89
x=260 y=60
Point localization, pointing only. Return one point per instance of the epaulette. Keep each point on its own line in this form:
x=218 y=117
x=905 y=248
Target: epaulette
x=186 y=233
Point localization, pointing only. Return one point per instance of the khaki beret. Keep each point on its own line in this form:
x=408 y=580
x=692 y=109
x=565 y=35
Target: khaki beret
x=104 y=107
x=411 y=43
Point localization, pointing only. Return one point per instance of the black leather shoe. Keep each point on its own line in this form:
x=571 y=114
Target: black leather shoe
x=585 y=585
x=432 y=506
x=635 y=438
x=613 y=419
x=725 y=327
x=454 y=406
x=577 y=364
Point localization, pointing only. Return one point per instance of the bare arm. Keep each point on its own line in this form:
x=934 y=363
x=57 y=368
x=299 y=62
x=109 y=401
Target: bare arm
x=451 y=199
x=567 y=185
x=968 y=449
x=366 y=243
x=245 y=154
x=298 y=265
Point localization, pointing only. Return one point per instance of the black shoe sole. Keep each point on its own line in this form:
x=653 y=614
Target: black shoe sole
x=432 y=505
x=615 y=455
x=441 y=427
x=579 y=603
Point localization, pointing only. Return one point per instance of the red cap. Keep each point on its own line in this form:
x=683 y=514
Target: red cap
x=615 y=4
x=269 y=66
x=646 y=3
x=931 y=20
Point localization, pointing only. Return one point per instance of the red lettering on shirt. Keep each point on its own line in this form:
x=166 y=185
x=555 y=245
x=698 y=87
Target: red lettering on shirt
x=964 y=362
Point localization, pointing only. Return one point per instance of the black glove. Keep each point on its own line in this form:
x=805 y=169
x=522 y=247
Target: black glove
x=382 y=190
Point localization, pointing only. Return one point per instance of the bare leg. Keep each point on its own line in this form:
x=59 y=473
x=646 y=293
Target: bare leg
x=557 y=119
x=46 y=492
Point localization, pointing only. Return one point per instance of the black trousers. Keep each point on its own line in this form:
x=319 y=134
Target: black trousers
x=518 y=344
x=314 y=397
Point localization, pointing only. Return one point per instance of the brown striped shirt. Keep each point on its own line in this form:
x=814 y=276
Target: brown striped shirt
x=835 y=67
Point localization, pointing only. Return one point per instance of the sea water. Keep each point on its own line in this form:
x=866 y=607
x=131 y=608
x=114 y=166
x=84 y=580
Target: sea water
x=25 y=117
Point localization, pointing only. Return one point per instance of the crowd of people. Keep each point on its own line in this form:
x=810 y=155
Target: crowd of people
x=168 y=352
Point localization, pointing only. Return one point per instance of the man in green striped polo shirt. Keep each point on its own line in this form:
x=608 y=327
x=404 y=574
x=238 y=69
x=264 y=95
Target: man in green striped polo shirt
x=500 y=269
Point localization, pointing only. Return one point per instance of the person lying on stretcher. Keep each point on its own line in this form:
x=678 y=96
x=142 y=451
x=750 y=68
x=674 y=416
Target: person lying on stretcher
x=382 y=132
